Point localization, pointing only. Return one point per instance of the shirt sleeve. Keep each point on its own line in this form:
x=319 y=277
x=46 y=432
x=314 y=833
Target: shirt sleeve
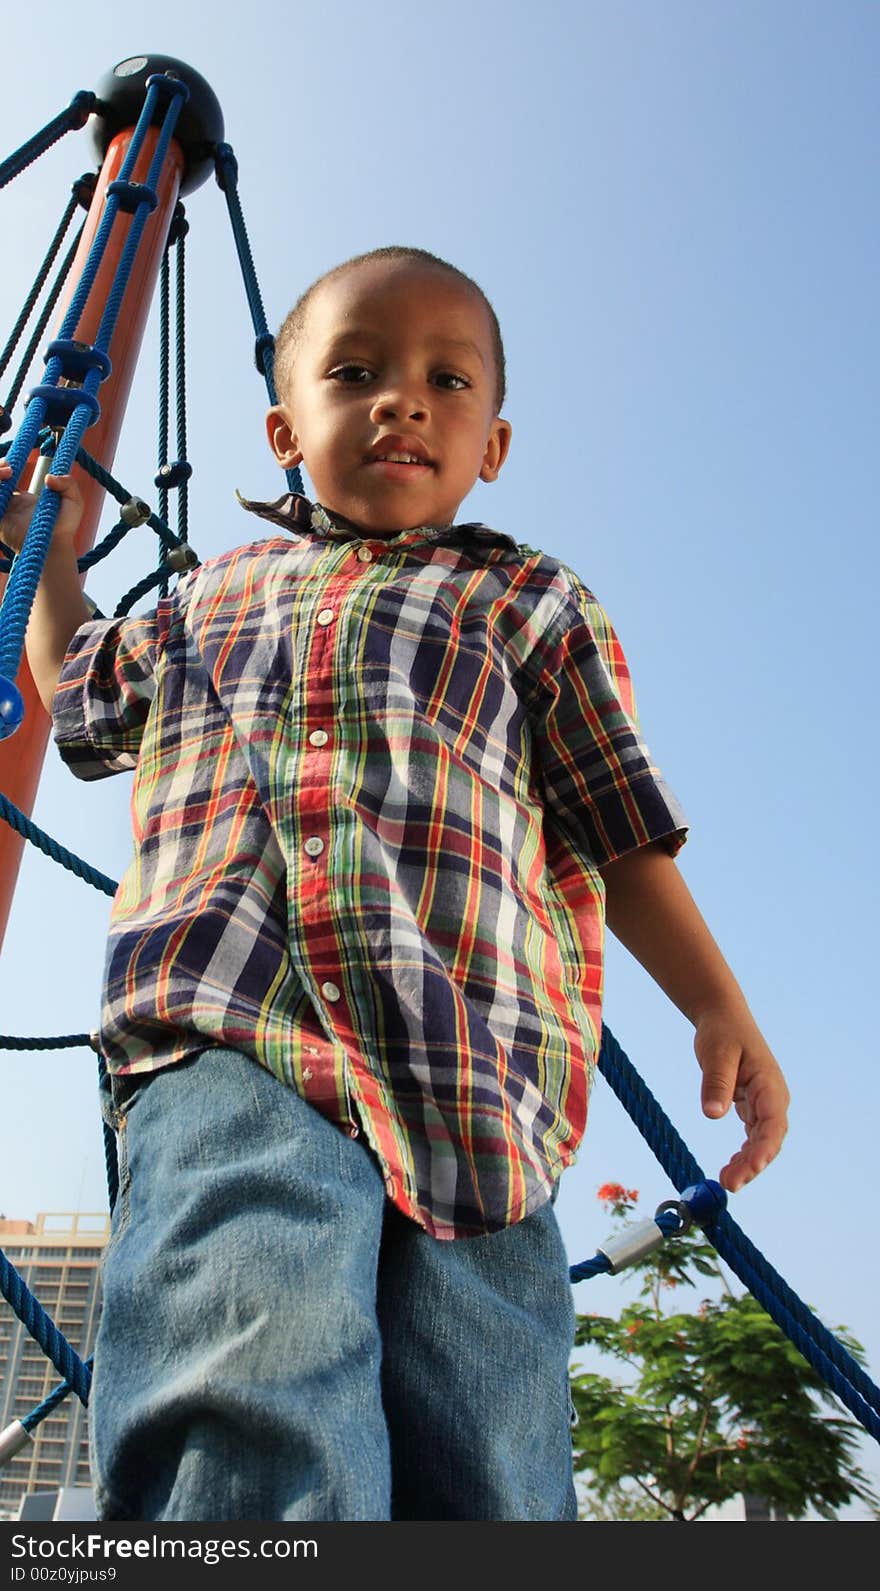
x=598 y=777
x=105 y=689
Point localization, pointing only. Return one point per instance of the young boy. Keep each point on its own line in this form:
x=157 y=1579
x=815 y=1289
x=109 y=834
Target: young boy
x=388 y=782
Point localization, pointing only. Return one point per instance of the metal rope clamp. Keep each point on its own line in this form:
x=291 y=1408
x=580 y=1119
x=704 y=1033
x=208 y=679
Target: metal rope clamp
x=13 y=1439
x=703 y=1202
x=641 y=1239
x=135 y=512
x=181 y=558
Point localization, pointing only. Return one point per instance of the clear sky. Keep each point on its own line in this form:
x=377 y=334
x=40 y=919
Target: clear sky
x=674 y=210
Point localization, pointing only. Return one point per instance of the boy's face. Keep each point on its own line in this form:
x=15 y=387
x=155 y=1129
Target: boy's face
x=396 y=358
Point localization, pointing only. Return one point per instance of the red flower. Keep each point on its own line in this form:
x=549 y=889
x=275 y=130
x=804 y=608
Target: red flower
x=616 y=1193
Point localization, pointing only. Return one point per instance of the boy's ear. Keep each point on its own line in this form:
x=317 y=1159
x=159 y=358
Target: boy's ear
x=282 y=437
x=497 y=449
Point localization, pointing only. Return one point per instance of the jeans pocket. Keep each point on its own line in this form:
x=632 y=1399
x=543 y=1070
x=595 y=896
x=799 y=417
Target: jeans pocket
x=116 y=1093
x=117 y=1099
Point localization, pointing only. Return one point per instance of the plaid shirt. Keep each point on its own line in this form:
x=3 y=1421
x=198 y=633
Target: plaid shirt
x=374 y=783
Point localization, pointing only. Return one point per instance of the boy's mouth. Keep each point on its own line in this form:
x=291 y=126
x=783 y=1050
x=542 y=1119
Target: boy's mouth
x=399 y=455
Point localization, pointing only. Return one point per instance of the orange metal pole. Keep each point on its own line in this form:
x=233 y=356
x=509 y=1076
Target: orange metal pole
x=22 y=754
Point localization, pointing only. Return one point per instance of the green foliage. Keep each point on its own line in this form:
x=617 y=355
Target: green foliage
x=619 y=1506
x=713 y=1404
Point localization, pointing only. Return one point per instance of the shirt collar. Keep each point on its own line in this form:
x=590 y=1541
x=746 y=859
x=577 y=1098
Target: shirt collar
x=296 y=514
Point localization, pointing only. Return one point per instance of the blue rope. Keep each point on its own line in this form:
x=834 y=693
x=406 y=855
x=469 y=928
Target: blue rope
x=23 y=825
x=43 y=1329
x=164 y=390
x=42 y=322
x=111 y=210
x=28 y=566
x=110 y=484
x=74 y=116
x=104 y=547
x=149 y=583
x=177 y=473
x=819 y=1347
x=66 y=1041
x=180 y=386
x=32 y=1420
x=111 y=1160
x=178 y=93
x=600 y=1264
x=39 y=280
x=226 y=170
x=119 y=530
x=76 y=1373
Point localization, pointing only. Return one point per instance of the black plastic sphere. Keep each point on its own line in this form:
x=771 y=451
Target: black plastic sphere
x=199 y=127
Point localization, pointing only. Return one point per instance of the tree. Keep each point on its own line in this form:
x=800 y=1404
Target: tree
x=714 y=1403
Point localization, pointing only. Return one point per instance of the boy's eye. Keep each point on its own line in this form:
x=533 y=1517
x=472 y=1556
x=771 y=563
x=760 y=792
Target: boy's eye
x=450 y=381
x=351 y=375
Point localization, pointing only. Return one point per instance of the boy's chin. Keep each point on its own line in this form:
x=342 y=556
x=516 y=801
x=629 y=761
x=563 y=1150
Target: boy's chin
x=373 y=519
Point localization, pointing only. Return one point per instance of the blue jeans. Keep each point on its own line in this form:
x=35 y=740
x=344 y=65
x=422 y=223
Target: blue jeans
x=277 y=1342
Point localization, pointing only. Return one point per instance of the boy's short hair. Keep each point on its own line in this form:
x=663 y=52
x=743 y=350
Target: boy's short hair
x=291 y=329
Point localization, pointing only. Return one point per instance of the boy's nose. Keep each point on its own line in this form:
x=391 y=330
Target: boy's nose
x=399 y=405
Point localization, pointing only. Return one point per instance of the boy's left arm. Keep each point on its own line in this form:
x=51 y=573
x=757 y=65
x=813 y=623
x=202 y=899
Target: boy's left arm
x=650 y=909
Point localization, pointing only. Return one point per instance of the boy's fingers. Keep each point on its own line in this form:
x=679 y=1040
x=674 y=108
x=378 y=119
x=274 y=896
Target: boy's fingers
x=755 y=1155
x=764 y=1113
x=65 y=487
x=750 y=1079
x=719 y=1067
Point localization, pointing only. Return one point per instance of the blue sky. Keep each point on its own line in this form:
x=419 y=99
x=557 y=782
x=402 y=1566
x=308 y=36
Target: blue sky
x=673 y=209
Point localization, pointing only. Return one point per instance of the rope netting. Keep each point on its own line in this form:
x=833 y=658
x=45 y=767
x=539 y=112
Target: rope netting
x=59 y=411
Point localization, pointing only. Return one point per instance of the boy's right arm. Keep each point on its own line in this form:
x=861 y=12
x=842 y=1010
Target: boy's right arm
x=59 y=606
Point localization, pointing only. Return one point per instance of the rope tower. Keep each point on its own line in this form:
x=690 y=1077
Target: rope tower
x=158 y=130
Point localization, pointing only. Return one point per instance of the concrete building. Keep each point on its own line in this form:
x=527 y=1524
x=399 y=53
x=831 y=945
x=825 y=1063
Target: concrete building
x=58 y=1256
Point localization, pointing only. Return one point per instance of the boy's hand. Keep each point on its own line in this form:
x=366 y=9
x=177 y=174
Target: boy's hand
x=15 y=522
x=739 y=1069
x=59 y=605
x=651 y=911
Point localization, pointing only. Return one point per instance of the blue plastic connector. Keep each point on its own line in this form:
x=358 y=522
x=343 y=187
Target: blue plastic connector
x=179 y=225
x=225 y=167
x=77 y=358
x=11 y=707
x=132 y=195
x=264 y=344
x=81 y=107
x=169 y=85
x=705 y=1200
x=61 y=401
x=173 y=474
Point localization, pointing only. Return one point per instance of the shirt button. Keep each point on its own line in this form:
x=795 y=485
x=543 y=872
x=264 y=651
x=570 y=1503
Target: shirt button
x=331 y=991
x=318 y=737
x=326 y=616
x=365 y=555
x=314 y=845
